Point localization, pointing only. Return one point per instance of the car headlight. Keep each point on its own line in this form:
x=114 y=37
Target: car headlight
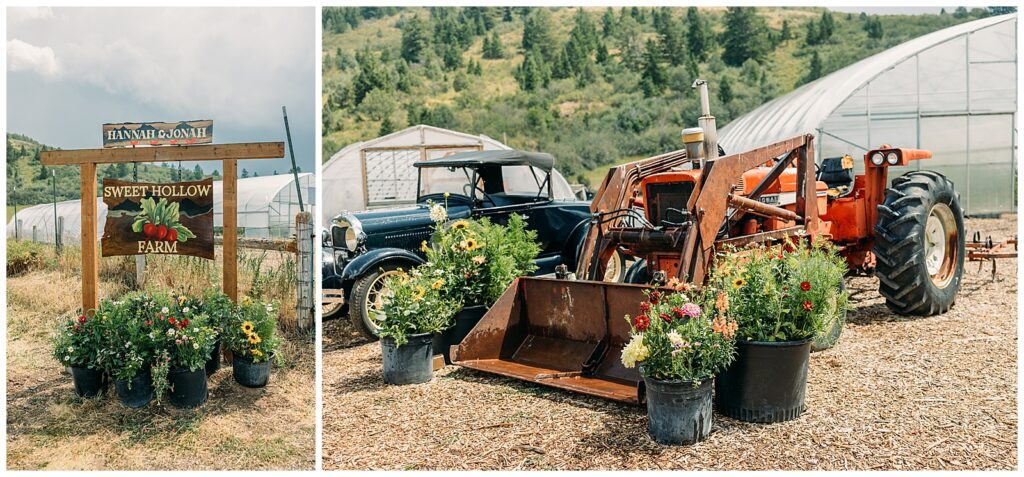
x=892 y=158
x=349 y=232
x=351 y=239
x=877 y=159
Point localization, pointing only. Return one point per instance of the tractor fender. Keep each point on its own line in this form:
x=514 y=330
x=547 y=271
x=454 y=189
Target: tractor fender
x=373 y=259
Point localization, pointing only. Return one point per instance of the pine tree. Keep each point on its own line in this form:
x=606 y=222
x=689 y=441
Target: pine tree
x=452 y=58
x=602 y=53
x=493 y=49
x=698 y=40
x=197 y=172
x=785 y=34
x=814 y=70
x=533 y=73
x=414 y=39
x=372 y=75
x=386 y=127
x=725 y=90
x=537 y=34
x=812 y=38
x=874 y=28
x=245 y=173
x=653 y=77
x=608 y=23
x=746 y=36
x=826 y=27
x=671 y=39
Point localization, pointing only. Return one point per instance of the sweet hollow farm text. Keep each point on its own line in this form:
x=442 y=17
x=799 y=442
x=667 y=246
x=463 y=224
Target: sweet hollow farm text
x=157 y=190
x=147 y=218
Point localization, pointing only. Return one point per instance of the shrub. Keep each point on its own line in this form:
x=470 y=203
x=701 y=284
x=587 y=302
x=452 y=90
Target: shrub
x=786 y=292
x=682 y=335
x=24 y=256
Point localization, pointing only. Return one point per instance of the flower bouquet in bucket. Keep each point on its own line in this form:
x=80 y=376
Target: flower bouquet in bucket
x=680 y=339
x=782 y=296
x=251 y=335
x=77 y=344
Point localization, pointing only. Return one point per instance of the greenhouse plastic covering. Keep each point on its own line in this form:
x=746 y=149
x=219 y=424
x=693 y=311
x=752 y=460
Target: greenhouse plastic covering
x=953 y=92
x=266 y=209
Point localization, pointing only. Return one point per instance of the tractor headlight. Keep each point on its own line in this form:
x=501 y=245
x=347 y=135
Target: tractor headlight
x=892 y=158
x=877 y=159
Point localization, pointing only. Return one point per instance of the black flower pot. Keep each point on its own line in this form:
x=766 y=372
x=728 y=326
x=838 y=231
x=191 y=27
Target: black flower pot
x=88 y=382
x=766 y=382
x=465 y=320
x=410 y=363
x=678 y=412
x=213 y=362
x=135 y=392
x=249 y=374
x=188 y=388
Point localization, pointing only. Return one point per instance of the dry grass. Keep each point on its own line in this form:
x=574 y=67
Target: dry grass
x=896 y=393
x=48 y=427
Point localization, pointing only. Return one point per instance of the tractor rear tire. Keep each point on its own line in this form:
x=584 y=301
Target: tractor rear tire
x=919 y=244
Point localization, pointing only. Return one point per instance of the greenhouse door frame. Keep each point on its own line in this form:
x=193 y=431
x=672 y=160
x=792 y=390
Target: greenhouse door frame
x=88 y=159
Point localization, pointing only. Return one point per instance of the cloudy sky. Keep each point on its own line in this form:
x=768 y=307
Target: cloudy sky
x=69 y=70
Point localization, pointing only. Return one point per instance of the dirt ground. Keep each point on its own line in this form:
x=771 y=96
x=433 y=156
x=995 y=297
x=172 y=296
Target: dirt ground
x=896 y=393
x=48 y=427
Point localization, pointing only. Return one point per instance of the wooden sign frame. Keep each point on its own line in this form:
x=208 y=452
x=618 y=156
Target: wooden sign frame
x=88 y=159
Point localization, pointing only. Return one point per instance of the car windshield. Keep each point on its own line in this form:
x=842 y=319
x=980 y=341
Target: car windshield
x=438 y=180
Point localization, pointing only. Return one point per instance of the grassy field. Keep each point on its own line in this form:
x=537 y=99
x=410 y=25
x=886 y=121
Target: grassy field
x=896 y=393
x=49 y=428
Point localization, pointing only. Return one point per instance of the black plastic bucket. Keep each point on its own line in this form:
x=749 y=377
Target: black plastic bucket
x=136 y=392
x=677 y=412
x=249 y=374
x=410 y=363
x=188 y=388
x=213 y=362
x=766 y=382
x=88 y=382
x=465 y=320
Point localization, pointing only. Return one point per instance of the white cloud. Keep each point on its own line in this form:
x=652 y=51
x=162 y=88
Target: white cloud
x=23 y=56
x=21 y=14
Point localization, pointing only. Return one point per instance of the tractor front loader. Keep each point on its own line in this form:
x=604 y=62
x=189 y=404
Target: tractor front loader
x=672 y=213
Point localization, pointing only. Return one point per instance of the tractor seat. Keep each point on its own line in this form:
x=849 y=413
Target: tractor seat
x=837 y=174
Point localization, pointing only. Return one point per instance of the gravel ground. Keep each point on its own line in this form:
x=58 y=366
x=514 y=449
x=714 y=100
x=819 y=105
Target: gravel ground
x=896 y=393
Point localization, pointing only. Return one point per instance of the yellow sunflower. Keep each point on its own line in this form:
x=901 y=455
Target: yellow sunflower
x=247 y=327
x=738 y=282
x=420 y=293
x=423 y=246
x=472 y=244
x=459 y=225
x=255 y=352
x=437 y=284
x=255 y=339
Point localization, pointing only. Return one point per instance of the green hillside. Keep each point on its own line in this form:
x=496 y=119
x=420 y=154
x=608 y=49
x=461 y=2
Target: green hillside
x=35 y=183
x=592 y=86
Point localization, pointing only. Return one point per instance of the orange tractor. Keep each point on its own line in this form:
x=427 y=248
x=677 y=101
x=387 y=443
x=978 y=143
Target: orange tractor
x=672 y=213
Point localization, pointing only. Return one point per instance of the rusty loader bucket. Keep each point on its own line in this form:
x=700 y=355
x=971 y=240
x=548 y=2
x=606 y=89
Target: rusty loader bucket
x=559 y=333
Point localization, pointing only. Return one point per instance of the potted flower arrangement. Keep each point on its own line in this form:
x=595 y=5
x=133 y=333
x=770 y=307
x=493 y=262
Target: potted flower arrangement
x=781 y=296
x=219 y=309
x=250 y=334
x=127 y=351
x=76 y=345
x=680 y=340
x=475 y=262
x=182 y=347
x=413 y=310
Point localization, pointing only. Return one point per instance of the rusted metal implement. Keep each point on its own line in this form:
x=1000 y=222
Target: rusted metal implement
x=988 y=251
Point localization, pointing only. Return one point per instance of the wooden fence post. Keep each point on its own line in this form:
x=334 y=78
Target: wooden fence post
x=304 y=235
x=230 y=229
x=90 y=247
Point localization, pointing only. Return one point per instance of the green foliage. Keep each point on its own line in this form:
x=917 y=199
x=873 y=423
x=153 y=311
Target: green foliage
x=493 y=49
x=745 y=36
x=782 y=293
x=414 y=39
x=24 y=256
x=251 y=331
x=680 y=336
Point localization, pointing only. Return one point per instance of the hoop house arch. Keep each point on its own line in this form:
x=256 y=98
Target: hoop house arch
x=267 y=205
x=953 y=92
x=36 y=223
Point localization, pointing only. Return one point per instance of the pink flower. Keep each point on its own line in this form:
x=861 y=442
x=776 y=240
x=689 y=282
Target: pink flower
x=692 y=310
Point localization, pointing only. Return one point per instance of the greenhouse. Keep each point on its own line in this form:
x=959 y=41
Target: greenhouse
x=953 y=92
x=266 y=209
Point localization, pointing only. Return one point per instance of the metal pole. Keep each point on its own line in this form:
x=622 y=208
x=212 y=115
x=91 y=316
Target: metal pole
x=56 y=234
x=291 y=154
x=14 y=197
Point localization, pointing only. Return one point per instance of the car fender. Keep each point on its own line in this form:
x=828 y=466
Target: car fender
x=574 y=245
x=373 y=259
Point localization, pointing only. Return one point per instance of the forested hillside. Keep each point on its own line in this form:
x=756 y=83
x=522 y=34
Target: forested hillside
x=592 y=86
x=34 y=180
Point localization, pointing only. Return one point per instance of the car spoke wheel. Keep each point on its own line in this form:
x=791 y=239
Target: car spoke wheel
x=367 y=295
x=331 y=310
x=614 y=268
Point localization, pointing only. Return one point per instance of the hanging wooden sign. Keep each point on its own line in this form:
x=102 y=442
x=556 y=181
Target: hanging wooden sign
x=158 y=134
x=170 y=219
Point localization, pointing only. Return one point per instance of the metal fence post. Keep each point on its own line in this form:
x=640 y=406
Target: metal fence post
x=304 y=236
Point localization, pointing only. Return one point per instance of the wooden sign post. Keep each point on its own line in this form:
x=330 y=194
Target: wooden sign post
x=87 y=159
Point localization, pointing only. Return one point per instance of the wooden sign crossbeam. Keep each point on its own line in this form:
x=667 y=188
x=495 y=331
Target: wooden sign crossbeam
x=87 y=159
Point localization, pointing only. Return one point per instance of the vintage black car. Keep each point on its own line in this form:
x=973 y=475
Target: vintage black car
x=363 y=247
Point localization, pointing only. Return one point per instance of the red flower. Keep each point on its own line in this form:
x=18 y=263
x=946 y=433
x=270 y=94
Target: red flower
x=808 y=305
x=655 y=296
x=805 y=286
x=149 y=322
x=184 y=322
x=678 y=311
x=645 y=307
x=76 y=328
x=82 y=319
x=666 y=317
x=641 y=322
x=171 y=320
